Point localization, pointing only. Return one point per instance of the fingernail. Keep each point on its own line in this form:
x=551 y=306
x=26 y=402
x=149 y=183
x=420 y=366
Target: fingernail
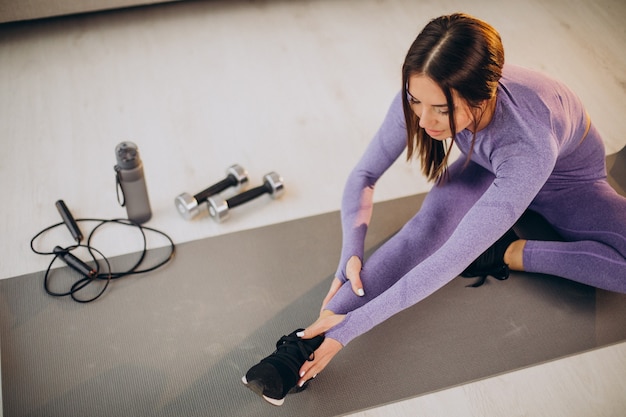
x=301 y=384
x=301 y=374
x=300 y=334
x=314 y=376
x=360 y=292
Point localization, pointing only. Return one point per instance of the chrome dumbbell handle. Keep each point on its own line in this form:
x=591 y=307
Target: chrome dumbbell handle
x=189 y=207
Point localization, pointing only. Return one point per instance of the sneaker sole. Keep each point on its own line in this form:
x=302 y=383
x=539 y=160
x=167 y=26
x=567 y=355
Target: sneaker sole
x=257 y=388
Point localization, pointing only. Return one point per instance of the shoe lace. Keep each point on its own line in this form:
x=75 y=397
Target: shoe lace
x=500 y=273
x=291 y=343
x=292 y=351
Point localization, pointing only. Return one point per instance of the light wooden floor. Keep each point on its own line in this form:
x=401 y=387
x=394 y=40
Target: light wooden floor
x=298 y=87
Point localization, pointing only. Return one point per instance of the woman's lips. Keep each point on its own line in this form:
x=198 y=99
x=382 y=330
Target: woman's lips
x=434 y=133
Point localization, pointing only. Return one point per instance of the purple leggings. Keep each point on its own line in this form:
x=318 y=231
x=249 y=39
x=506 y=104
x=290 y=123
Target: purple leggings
x=590 y=217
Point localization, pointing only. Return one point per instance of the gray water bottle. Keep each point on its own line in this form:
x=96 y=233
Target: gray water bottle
x=131 y=181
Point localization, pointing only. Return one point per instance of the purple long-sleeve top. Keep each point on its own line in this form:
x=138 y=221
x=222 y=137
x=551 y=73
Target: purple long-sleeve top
x=529 y=145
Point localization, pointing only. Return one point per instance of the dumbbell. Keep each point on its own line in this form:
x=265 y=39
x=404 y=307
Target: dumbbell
x=189 y=207
x=272 y=185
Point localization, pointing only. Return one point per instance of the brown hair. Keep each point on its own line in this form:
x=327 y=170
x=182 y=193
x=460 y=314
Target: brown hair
x=458 y=52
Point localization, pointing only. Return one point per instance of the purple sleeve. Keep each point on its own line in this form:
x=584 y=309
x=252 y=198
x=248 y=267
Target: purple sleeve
x=356 y=206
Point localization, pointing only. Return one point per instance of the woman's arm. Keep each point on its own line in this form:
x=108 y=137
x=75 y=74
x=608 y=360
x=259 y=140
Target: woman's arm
x=357 y=202
x=521 y=167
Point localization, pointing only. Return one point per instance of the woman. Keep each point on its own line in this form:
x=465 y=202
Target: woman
x=526 y=143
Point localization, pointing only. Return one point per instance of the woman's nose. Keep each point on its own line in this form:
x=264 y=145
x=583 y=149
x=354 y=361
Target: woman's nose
x=425 y=120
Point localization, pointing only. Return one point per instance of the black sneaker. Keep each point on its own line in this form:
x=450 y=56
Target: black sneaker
x=491 y=261
x=277 y=375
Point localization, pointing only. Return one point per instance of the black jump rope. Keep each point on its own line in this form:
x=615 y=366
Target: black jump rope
x=91 y=274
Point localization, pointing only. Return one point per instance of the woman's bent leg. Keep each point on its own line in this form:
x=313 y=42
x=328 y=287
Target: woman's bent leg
x=592 y=220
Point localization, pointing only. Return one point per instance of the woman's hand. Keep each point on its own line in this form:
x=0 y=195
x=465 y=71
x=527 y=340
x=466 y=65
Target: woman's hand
x=327 y=350
x=353 y=272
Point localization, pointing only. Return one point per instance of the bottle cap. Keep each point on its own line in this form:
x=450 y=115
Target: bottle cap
x=127 y=155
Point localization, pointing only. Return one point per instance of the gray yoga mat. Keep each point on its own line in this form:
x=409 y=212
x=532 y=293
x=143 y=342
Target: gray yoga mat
x=176 y=342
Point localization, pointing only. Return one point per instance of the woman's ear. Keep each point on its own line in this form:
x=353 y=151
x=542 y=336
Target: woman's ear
x=482 y=107
x=484 y=112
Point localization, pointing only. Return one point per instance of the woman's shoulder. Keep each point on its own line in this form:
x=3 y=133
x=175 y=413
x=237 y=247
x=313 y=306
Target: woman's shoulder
x=535 y=105
x=523 y=80
x=518 y=72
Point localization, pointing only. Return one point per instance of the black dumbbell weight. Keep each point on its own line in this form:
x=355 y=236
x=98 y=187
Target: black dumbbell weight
x=272 y=185
x=189 y=207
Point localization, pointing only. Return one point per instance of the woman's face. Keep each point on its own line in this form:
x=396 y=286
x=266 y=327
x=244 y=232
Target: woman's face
x=429 y=103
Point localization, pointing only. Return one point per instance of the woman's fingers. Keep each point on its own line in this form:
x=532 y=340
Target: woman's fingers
x=323 y=355
x=357 y=286
x=325 y=322
x=353 y=271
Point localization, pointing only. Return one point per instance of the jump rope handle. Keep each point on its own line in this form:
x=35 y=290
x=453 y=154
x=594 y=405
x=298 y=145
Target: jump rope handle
x=75 y=263
x=69 y=221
